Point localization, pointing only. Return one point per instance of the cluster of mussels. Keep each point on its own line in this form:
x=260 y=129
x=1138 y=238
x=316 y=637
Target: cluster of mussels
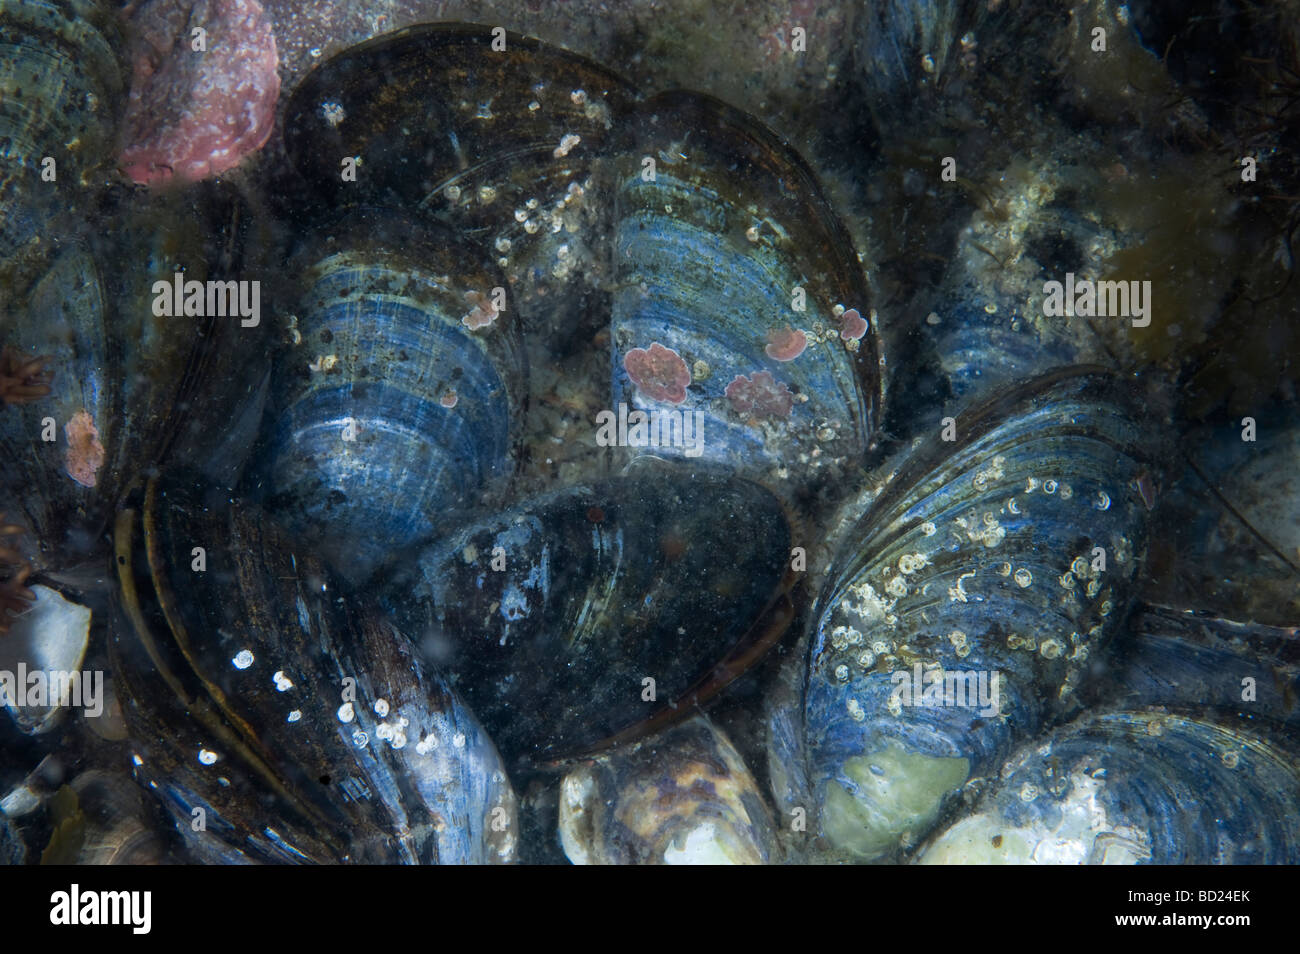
x=342 y=623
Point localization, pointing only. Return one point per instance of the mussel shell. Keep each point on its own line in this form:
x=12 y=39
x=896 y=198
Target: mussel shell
x=683 y=796
x=1186 y=659
x=401 y=398
x=555 y=615
x=498 y=143
x=236 y=686
x=12 y=849
x=976 y=559
x=1146 y=786
x=62 y=92
x=125 y=378
x=709 y=252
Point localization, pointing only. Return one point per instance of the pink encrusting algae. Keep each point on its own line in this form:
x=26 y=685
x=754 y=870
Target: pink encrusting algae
x=786 y=344
x=449 y=399
x=196 y=113
x=659 y=373
x=760 y=396
x=852 y=325
x=85 y=454
x=482 y=314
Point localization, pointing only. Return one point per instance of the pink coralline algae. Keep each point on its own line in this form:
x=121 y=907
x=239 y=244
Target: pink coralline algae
x=195 y=113
x=760 y=396
x=785 y=344
x=482 y=314
x=852 y=325
x=658 y=372
x=85 y=454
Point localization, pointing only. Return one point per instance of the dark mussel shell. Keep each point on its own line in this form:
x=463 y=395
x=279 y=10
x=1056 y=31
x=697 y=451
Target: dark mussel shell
x=976 y=561
x=62 y=92
x=738 y=294
x=499 y=144
x=295 y=725
x=129 y=387
x=401 y=397
x=1184 y=658
x=1144 y=786
x=596 y=613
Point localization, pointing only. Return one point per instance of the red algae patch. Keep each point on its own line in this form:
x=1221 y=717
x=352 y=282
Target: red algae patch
x=760 y=396
x=658 y=372
x=482 y=314
x=195 y=113
x=852 y=325
x=85 y=453
x=785 y=344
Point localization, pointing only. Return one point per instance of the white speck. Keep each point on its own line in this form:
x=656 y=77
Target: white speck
x=458 y=740
x=381 y=707
x=333 y=113
x=345 y=712
x=399 y=739
x=426 y=745
x=207 y=757
x=282 y=682
x=243 y=660
x=295 y=715
x=579 y=96
x=567 y=142
x=136 y=760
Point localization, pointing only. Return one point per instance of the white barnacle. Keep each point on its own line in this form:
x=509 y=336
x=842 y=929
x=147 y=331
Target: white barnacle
x=1103 y=500
x=345 y=713
x=381 y=707
x=855 y=710
x=1049 y=486
x=207 y=757
x=282 y=682
x=295 y=715
x=1023 y=577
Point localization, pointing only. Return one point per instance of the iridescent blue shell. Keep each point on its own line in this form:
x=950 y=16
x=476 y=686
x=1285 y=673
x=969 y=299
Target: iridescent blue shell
x=977 y=562
x=401 y=398
x=1146 y=786
x=1172 y=658
x=727 y=259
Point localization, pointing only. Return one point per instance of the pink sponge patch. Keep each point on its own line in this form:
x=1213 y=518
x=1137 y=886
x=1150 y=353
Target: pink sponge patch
x=785 y=344
x=658 y=372
x=852 y=325
x=195 y=113
x=760 y=396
